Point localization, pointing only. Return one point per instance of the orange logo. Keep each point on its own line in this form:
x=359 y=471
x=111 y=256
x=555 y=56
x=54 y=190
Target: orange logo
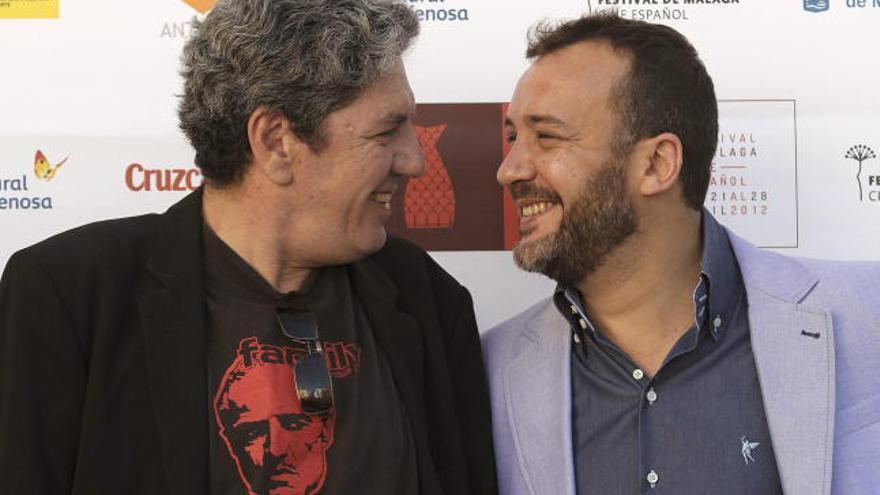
x=429 y=202
x=43 y=169
x=202 y=6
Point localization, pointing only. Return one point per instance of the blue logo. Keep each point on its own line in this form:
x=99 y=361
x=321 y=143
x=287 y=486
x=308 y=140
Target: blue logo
x=816 y=5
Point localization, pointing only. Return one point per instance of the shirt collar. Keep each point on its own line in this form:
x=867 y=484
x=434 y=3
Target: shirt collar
x=568 y=302
x=720 y=274
x=229 y=274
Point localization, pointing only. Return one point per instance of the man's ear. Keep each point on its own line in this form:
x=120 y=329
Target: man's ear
x=274 y=146
x=659 y=161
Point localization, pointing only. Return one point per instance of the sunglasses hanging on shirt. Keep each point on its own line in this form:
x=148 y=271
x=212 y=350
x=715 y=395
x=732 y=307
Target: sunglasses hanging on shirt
x=314 y=386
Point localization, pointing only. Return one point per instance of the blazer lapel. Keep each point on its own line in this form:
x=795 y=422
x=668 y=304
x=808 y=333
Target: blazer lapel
x=793 y=345
x=171 y=313
x=537 y=392
x=397 y=333
x=399 y=336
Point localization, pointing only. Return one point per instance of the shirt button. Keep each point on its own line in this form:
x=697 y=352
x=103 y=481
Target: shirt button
x=638 y=374
x=652 y=478
x=651 y=396
x=583 y=323
x=577 y=340
x=574 y=309
x=717 y=322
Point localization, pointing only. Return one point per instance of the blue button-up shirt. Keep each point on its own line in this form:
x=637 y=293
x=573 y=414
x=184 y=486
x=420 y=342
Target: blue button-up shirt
x=696 y=427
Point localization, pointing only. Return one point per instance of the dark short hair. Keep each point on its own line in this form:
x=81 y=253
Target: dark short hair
x=306 y=58
x=667 y=88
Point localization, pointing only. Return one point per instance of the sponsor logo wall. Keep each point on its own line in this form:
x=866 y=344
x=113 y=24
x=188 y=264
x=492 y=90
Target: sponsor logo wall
x=89 y=129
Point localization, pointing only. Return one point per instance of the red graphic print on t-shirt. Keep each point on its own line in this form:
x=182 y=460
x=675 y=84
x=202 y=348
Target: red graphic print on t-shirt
x=277 y=448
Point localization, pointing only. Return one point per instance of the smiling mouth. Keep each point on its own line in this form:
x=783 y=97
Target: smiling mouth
x=533 y=209
x=384 y=198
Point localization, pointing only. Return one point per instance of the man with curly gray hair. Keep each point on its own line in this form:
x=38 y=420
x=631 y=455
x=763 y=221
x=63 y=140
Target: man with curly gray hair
x=264 y=335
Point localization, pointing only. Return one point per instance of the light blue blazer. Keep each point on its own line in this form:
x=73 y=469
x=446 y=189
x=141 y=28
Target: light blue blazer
x=822 y=396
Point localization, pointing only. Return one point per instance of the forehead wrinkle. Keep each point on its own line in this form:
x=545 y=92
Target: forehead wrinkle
x=534 y=120
x=547 y=120
x=590 y=74
x=400 y=111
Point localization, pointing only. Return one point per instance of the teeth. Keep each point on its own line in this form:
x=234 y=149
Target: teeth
x=533 y=209
x=384 y=198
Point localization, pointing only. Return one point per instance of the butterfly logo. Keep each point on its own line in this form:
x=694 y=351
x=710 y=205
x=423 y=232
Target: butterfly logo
x=43 y=169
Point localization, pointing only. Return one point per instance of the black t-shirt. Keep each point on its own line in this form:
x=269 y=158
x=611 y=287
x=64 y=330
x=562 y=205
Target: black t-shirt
x=261 y=441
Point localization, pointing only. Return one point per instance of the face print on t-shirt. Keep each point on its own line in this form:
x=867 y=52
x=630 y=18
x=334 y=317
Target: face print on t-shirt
x=277 y=448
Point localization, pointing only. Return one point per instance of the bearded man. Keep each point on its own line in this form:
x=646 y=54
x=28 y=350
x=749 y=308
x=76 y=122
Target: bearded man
x=673 y=357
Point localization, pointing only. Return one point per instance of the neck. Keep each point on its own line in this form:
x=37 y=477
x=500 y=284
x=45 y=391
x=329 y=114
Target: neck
x=241 y=217
x=641 y=297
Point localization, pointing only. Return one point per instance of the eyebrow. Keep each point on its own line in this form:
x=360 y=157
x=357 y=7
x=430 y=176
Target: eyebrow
x=395 y=118
x=539 y=119
x=397 y=115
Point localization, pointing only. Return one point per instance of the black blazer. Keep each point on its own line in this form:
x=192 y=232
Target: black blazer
x=103 y=386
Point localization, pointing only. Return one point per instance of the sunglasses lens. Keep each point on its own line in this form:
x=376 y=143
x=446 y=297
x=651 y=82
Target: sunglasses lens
x=313 y=385
x=298 y=325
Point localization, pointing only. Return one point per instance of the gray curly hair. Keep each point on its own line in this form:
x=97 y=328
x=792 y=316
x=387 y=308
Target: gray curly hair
x=305 y=58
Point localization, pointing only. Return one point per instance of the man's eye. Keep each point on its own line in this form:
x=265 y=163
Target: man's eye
x=511 y=137
x=250 y=432
x=388 y=133
x=294 y=422
x=544 y=135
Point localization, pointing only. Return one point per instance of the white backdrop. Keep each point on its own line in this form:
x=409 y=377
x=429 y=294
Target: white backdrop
x=797 y=90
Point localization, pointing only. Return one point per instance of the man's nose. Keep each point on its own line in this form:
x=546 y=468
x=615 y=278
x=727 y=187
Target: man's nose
x=409 y=161
x=276 y=446
x=516 y=166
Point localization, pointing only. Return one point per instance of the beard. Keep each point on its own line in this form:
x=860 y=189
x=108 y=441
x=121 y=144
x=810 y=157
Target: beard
x=599 y=220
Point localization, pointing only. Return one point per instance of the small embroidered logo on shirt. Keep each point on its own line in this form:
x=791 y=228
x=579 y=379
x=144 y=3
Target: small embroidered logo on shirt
x=747 y=448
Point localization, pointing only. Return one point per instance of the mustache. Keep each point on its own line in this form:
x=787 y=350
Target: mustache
x=519 y=190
